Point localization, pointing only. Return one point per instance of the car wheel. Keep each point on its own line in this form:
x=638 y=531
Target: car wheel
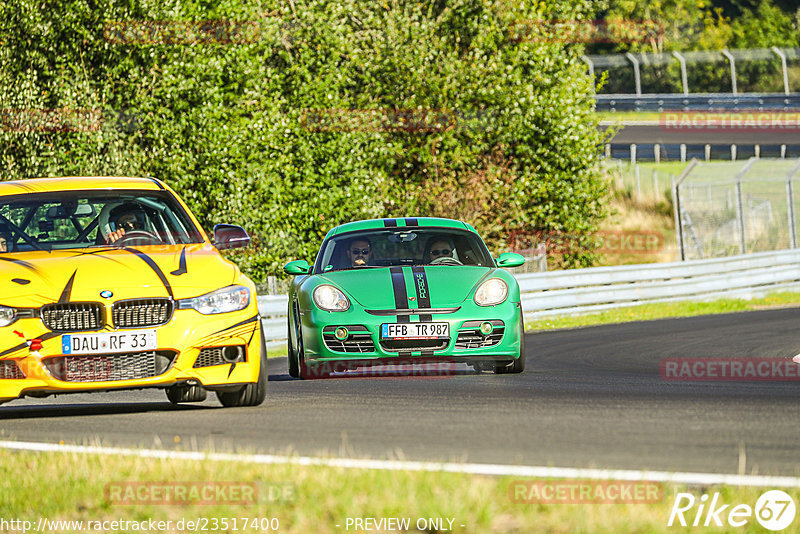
x=293 y=355
x=181 y=393
x=518 y=364
x=251 y=394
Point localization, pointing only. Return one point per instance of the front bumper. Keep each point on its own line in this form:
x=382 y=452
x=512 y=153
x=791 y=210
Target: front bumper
x=38 y=369
x=365 y=347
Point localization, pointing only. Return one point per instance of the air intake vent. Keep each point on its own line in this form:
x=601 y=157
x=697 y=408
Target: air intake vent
x=470 y=337
x=73 y=316
x=110 y=367
x=141 y=312
x=9 y=370
x=358 y=340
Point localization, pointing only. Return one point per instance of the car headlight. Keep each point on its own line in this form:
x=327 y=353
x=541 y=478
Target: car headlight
x=7 y=315
x=491 y=292
x=330 y=298
x=227 y=299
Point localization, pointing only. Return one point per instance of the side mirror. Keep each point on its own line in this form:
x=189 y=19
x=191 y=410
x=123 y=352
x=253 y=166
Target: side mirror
x=297 y=267
x=510 y=259
x=230 y=236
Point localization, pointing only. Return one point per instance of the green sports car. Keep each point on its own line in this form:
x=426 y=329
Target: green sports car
x=402 y=291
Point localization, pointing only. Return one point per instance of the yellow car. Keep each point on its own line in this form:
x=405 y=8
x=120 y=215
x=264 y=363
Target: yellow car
x=111 y=283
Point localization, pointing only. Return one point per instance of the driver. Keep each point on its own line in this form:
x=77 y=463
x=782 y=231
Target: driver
x=5 y=241
x=359 y=252
x=125 y=218
x=440 y=248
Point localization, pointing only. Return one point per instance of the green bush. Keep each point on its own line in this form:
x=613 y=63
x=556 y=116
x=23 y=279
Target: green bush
x=292 y=118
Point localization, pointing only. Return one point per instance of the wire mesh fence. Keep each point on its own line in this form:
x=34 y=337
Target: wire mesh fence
x=758 y=70
x=728 y=208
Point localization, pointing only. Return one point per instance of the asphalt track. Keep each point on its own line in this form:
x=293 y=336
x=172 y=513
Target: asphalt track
x=654 y=133
x=591 y=397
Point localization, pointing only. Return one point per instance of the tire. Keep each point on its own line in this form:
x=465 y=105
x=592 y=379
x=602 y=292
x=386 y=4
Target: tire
x=251 y=394
x=517 y=365
x=178 y=394
x=294 y=365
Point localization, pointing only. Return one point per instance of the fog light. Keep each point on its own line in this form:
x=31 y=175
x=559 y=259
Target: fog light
x=341 y=333
x=486 y=328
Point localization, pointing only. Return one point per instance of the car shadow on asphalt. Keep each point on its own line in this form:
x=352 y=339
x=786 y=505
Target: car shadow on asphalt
x=9 y=412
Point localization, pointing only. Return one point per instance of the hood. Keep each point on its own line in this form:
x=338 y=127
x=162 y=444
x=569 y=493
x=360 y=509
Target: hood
x=446 y=285
x=32 y=279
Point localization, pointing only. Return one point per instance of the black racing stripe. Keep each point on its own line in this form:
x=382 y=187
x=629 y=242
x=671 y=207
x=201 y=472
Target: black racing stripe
x=388 y=223
x=423 y=292
x=158 y=183
x=43 y=337
x=21 y=263
x=181 y=264
x=412 y=221
x=400 y=295
x=154 y=266
x=67 y=289
x=241 y=323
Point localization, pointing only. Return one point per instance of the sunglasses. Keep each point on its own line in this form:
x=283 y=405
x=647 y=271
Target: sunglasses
x=362 y=251
x=443 y=252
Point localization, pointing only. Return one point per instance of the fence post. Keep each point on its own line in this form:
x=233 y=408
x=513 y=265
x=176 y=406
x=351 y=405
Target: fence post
x=657 y=152
x=638 y=183
x=733 y=152
x=733 y=69
x=637 y=78
x=633 y=154
x=781 y=55
x=684 y=83
x=708 y=152
x=676 y=203
x=591 y=65
x=757 y=150
x=790 y=205
x=740 y=203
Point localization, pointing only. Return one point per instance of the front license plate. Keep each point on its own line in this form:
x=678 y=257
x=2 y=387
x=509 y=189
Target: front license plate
x=415 y=331
x=109 y=342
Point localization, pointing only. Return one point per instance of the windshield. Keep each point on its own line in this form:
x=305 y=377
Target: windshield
x=391 y=247
x=80 y=219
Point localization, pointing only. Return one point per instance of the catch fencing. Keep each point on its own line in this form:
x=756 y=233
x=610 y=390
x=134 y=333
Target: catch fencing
x=729 y=208
x=762 y=70
x=601 y=288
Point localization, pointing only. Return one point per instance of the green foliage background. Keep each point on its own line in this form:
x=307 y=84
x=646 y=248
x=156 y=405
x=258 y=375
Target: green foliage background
x=227 y=125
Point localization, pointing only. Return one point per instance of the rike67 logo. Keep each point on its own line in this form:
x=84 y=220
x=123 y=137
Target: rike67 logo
x=774 y=510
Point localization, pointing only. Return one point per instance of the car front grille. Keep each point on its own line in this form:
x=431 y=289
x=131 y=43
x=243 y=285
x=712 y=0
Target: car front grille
x=9 y=370
x=73 y=316
x=110 y=367
x=359 y=340
x=470 y=337
x=137 y=313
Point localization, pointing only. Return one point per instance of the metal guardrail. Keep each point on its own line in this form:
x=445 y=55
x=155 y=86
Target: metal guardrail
x=699 y=102
x=601 y=288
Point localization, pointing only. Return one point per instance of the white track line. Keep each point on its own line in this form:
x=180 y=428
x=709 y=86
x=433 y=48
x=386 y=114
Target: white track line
x=397 y=465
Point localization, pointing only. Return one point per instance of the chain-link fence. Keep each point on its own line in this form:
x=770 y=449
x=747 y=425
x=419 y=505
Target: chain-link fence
x=758 y=70
x=728 y=208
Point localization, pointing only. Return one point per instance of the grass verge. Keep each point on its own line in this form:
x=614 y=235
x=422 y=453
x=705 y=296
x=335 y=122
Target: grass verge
x=81 y=487
x=663 y=310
